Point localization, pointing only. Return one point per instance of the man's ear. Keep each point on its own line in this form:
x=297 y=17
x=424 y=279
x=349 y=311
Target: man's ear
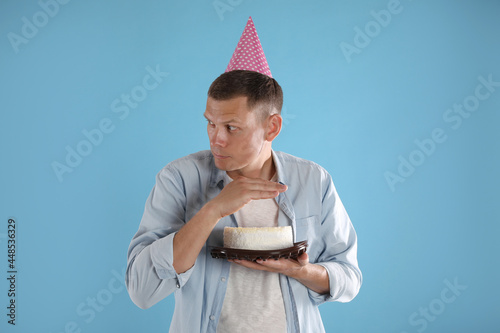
x=273 y=127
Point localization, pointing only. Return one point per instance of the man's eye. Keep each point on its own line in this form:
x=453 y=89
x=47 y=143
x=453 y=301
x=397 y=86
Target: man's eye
x=210 y=123
x=231 y=128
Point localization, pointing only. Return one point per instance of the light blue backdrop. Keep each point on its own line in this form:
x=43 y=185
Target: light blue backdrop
x=398 y=100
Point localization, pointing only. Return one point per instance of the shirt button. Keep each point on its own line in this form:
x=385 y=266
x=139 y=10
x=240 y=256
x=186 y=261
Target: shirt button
x=178 y=285
x=212 y=317
x=223 y=279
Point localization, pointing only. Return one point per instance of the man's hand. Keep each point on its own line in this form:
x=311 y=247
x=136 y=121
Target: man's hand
x=192 y=236
x=241 y=191
x=314 y=277
x=289 y=267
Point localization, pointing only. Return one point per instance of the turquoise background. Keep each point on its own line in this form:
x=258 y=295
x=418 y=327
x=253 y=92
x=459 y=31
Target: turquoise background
x=357 y=115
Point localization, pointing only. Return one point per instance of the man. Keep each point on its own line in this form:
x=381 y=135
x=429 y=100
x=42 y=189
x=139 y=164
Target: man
x=241 y=177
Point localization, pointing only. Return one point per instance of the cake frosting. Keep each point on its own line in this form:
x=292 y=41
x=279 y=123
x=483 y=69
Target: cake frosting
x=263 y=238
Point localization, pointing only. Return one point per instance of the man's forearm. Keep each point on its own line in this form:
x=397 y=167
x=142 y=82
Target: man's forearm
x=190 y=239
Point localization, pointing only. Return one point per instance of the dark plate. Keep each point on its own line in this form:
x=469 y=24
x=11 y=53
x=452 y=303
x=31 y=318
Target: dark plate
x=290 y=252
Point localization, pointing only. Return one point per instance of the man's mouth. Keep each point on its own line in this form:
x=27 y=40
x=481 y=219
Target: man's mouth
x=219 y=156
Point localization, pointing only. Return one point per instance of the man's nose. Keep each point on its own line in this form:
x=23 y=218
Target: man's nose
x=218 y=138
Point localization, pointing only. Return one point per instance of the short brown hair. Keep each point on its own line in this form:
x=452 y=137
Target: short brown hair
x=261 y=90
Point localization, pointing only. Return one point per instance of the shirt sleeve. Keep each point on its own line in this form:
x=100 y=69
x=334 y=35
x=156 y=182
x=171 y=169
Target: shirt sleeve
x=150 y=273
x=339 y=255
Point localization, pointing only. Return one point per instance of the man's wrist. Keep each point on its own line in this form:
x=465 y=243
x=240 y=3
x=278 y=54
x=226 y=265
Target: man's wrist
x=300 y=273
x=210 y=212
x=313 y=276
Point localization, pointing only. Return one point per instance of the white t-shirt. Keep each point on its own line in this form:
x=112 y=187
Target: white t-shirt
x=253 y=301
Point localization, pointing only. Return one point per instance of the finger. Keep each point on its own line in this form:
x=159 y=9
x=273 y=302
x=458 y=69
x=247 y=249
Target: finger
x=258 y=191
x=262 y=184
x=281 y=265
x=271 y=264
x=303 y=259
x=249 y=264
x=264 y=195
x=262 y=191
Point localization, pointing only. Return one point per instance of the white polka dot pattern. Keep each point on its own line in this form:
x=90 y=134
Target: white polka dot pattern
x=249 y=54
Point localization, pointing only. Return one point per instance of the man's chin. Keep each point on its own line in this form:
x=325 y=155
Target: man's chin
x=221 y=164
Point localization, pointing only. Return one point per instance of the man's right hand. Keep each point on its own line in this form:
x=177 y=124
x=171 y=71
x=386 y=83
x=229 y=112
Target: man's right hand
x=192 y=236
x=241 y=191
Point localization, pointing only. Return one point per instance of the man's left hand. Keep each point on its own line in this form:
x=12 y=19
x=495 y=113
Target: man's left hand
x=314 y=277
x=289 y=267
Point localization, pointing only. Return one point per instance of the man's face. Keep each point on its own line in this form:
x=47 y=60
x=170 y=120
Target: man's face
x=237 y=135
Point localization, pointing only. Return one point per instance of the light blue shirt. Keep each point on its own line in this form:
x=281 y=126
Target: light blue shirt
x=311 y=206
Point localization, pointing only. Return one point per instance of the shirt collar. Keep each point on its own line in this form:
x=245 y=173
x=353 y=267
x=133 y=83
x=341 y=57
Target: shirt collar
x=279 y=168
x=217 y=175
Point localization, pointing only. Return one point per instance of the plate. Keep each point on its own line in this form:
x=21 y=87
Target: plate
x=290 y=252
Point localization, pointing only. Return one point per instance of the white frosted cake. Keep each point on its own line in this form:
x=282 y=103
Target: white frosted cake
x=264 y=238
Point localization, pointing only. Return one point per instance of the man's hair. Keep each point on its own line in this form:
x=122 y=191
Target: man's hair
x=261 y=90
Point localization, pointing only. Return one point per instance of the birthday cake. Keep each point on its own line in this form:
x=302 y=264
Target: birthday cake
x=264 y=238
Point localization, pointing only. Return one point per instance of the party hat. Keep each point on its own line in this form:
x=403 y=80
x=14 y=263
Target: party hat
x=249 y=54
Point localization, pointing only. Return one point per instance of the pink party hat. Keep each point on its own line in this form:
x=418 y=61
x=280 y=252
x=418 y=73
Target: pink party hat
x=249 y=54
